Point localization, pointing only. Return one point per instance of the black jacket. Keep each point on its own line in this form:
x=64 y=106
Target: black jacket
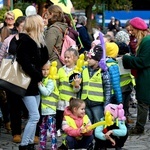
x=31 y=58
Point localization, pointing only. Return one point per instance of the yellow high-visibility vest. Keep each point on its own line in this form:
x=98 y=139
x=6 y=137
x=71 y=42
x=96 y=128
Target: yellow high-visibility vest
x=52 y=99
x=92 y=87
x=65 y=88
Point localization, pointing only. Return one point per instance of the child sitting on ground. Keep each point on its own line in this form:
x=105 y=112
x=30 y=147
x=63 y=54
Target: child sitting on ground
x=75 y=125
x=113 y=136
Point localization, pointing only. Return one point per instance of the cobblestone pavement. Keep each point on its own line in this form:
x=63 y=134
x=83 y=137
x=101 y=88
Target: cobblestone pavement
x=140 y=142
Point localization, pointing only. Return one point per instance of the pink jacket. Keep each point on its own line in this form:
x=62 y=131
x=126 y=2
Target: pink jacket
x=5 y=46
x=79 y=122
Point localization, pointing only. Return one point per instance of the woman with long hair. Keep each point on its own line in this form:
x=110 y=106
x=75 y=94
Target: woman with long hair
x=32 y=54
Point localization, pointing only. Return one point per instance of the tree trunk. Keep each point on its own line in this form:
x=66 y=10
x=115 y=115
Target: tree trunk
x=88 y=12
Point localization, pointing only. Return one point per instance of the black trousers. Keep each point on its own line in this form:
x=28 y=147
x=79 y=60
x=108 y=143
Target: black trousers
x=107 y=143
x=15 y=106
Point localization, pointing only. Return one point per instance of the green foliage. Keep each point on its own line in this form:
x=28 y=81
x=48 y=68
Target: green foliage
x=110 y=4
x=2 y=12
x=22 y=6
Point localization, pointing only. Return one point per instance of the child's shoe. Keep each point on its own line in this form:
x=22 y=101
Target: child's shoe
x=17 y=138
x=58 y=133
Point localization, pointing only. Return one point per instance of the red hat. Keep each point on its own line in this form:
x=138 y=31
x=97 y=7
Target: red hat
x=138 y=23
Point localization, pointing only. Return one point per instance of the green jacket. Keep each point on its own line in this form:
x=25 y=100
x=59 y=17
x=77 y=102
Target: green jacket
x=141 y=62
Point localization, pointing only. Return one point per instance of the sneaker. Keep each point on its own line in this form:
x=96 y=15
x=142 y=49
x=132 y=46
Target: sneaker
x=17 y=138
x=36 y=140
x=136 y=131
x=58 y=133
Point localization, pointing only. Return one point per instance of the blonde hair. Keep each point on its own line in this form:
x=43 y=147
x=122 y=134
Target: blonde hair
x=58 y=14
x=33 y=27
x=9 y=13
x=139 y=36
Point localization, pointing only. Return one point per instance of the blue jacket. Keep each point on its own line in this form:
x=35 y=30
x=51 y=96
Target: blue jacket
x=115 y=79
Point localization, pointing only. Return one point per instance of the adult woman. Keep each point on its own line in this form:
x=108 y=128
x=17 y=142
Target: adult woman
x=53 y=36
x=32 y=54
x=141 y=63
x=9 y=24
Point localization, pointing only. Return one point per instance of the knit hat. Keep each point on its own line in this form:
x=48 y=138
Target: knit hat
x=111 y=49
x=116 y=110
x=122 y=36
x=138 y=23
x=96 y=53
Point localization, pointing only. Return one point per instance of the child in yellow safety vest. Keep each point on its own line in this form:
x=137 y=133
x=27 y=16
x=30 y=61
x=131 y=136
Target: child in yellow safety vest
x=49 y=97
x=75 y=125
x=66 y=90
x=96 y=86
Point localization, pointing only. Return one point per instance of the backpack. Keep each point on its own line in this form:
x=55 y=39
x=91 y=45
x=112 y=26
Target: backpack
x=67 y=43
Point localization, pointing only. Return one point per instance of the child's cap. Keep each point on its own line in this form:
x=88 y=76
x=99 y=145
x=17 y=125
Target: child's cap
x=111 y=49
x=116 y=110
x=96 y=53
x=122 y=36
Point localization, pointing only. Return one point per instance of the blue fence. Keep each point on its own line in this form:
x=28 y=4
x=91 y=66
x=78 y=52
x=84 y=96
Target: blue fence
x=123 y=16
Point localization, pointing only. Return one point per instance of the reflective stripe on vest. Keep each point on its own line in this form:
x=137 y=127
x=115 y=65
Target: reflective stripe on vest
x=125 y=79
x=65 y=89
x=92 y=87
x=51 y=100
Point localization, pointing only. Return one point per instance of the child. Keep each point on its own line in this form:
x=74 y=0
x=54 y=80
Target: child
x=66 y=90
x=113 y=69
x=75 y=125
x=49 y=96
x=94 y=83
x=113 y=136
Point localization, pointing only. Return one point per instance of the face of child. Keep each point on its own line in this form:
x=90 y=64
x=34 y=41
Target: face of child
x=45 y=70
x=69 y=59
x=80 y=112
x=92 y=63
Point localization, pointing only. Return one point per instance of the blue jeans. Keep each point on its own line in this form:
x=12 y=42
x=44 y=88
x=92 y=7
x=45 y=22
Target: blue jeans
x=32 y=104
x=73 y=143
x=94 y=110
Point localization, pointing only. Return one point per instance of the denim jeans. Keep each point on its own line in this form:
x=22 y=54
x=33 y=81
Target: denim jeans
x=94 y=110
x=32 y=104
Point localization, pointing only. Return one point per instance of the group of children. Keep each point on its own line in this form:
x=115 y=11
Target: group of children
x=75 y=107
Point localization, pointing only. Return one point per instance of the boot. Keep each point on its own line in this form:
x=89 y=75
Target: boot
x=23 y=147
x=31 y=147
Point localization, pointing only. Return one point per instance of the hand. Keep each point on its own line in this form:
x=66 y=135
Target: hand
x=40 y=83
x=108 y=133
x=84 y=129
x=77 y=80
